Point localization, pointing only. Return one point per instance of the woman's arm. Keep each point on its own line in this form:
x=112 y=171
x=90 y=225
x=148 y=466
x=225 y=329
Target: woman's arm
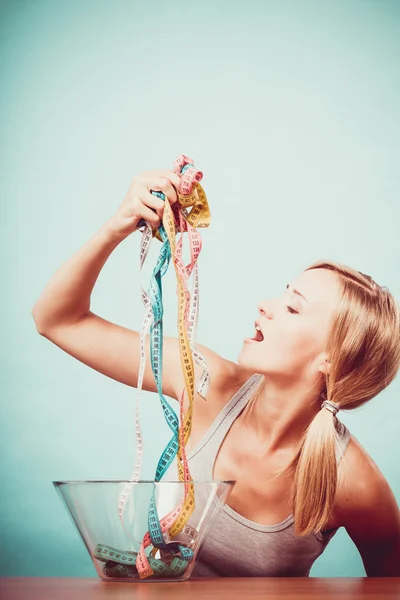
x=372 y=519
x=66 y=298
x=62 y=315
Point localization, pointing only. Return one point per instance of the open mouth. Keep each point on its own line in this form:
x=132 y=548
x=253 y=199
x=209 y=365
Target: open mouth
x=259 y=336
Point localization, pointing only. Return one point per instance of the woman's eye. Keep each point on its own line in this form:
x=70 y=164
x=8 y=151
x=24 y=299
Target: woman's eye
x=292 y=311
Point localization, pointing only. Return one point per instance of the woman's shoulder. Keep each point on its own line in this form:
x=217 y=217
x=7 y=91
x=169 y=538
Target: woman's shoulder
x=367 y=508
x=359 y=478
x=223 y=374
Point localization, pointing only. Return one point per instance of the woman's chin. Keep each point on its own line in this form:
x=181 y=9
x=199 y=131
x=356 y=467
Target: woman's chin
x=245 y=362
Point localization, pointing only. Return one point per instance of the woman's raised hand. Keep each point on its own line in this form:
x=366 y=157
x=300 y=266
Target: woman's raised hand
x=139 y=203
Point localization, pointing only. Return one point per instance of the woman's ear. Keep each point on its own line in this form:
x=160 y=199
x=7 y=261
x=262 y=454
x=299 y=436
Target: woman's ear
x=325 y=365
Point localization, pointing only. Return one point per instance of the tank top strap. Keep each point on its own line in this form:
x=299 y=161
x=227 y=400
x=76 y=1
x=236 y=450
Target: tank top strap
x=228 y=414
x=342 y=439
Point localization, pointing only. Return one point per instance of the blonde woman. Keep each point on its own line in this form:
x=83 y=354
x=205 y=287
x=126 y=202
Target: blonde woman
x=329 y=342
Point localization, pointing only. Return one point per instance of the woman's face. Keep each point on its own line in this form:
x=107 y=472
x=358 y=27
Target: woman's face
x=295 y=329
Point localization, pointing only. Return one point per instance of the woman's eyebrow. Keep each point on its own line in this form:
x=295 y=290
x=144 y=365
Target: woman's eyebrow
x=297 y=292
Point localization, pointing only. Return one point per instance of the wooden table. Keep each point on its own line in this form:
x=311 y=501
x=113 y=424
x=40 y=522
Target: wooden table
x=232 y=588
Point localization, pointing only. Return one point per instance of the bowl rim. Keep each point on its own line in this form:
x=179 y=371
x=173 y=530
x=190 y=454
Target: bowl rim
x=62 y=482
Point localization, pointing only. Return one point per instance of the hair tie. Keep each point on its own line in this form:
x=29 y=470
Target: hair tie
x=331 y=406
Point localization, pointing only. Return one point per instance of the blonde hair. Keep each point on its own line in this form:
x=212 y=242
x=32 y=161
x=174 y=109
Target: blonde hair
x=364 y=354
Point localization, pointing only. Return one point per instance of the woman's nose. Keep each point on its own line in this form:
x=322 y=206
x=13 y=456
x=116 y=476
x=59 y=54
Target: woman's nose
x=265 y=309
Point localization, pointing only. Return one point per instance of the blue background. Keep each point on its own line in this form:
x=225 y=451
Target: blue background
x=291 y=110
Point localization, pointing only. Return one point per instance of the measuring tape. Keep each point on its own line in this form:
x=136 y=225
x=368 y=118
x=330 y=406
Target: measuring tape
x=122 y=564
x=175 y=556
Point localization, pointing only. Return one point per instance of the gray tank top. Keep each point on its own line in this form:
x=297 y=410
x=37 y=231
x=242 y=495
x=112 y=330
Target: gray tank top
x=236 y=546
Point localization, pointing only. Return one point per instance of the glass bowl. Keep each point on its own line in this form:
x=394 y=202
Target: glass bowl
x=125 y=524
